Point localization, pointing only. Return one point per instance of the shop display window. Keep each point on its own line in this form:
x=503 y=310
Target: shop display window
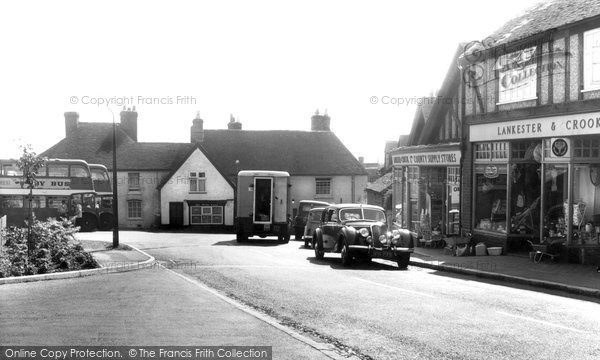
x=556 y=200
x=490 y=198
x=525 y=195
x=586 y=204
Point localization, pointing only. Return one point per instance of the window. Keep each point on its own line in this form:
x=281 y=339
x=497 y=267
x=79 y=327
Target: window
x=485 y=152
x=591 y=59
x=134 y=209
x=453 y=174
x=11 y=170
x=79 y=171
x=198 y=182
x=412 y=173
x=517 y=76
x=586 y=148
x=490 y=198
x=11 y=201
x=206 y=215
x=323 y=186
x=133 y=180
x=58 y=170
x=56 y=201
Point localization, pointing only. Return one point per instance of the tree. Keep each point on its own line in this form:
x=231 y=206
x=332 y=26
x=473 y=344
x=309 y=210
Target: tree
x=30 y=163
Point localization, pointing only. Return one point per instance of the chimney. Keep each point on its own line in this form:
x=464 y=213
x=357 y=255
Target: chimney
x=234 y=124
x=361 y=160
x=197 y=130
x=129 y=122
x=320 y=122
x=71 y=123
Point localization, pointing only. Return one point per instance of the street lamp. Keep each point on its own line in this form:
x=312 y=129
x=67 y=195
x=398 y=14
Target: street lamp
x=114 y=184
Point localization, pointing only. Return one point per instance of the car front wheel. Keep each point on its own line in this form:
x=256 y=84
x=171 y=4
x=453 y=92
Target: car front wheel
x=346 y=256
x=403 y=260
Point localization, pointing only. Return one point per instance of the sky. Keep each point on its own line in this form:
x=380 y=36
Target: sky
x=271 y=64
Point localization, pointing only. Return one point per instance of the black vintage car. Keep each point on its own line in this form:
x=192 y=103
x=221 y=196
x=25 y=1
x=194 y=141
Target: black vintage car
x=361 y=231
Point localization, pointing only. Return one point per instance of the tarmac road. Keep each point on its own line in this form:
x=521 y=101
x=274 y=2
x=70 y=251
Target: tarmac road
x=371 y=309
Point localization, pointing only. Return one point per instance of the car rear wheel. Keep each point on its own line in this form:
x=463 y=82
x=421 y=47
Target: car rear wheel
x=403 y=260
x=88 y=223
x=319 y=252
x=346 y=256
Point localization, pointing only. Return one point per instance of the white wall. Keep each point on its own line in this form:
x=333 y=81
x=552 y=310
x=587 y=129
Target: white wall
x=304 y=188
x=177 y=188
x=148 y=193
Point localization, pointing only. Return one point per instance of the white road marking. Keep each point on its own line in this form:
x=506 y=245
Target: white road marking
x=540 y=321
x=394 y=287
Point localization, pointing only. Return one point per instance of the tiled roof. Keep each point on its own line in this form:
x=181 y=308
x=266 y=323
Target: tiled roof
x=92 y=142
x=545 y=16
x=381 y=184
x=297 y=152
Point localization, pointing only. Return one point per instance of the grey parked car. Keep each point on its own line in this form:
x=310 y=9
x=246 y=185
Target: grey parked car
x=313 y=220
x=358 y=230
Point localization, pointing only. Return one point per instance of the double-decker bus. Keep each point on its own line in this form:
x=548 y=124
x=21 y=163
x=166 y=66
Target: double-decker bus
x=65 y=189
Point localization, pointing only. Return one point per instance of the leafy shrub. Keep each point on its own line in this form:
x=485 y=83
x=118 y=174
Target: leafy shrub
x=55 y=249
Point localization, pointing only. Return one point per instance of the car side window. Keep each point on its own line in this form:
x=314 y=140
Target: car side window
x=325 y=216
x=334 y=216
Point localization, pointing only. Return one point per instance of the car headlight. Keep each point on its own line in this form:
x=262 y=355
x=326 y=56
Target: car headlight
x=395 y=241
x=383 y=239
x=363 y=232
x=396 y=234
x=369 y=240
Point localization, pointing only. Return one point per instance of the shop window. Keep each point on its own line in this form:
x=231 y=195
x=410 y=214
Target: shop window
x=197 y=182
x=526 y=150
x=591 y=59
x=555 y=200
x=133 y=181
x=525 y=198
x=490 y=198
x=586 y=204
x=453 y=175
x=206 y=215
x=134 y=209
x=586 y=148
x=517 y=76
x=323 y=186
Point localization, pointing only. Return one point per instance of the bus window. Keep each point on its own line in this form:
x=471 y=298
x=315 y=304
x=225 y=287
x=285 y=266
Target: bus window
x=55 y=170
x=107 y=202
x=88 y=201
x=11 y=170
x=56 y=201
x=79 y=171
x=38 y=202
x=11 y=201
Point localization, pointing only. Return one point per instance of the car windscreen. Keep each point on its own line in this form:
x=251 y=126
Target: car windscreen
x=362 y=214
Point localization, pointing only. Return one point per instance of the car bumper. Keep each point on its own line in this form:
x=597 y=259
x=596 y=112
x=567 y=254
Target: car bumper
x=389 y=253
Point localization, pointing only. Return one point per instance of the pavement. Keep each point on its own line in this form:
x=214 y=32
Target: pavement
x=515 y=268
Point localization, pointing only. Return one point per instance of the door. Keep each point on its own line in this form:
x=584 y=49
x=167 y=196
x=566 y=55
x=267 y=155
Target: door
x=176 y=214
x=329 y=229
x=263 y=200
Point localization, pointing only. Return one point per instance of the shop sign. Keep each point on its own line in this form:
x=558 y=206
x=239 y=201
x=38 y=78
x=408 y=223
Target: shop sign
x=491 y=172
x=428 y=158
x=560 y=147
x=552 y=126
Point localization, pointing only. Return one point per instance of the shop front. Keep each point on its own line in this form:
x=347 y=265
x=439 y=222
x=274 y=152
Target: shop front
x=537 y=181
x=426 y=182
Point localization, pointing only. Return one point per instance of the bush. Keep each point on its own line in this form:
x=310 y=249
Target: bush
x=55 y=249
